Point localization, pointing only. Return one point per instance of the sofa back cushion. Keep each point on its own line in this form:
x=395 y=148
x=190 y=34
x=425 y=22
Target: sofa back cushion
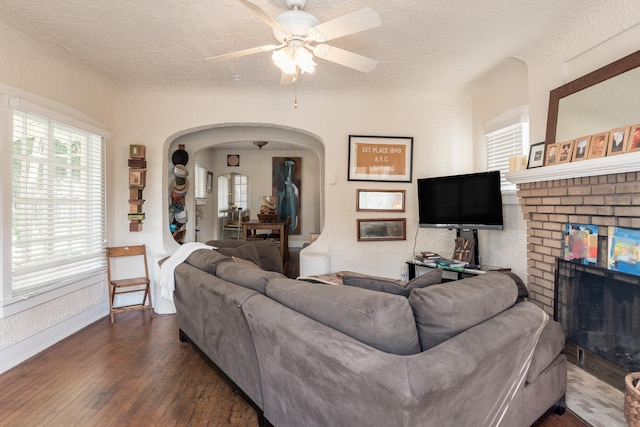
x=246 y=275
x=267 y=251
x=381 y=320
x=206 y=260
x=247 y=252
x=443 y=311
x=391 y=286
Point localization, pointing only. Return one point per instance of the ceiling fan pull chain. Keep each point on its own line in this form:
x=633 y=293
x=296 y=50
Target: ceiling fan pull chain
x=295 y=84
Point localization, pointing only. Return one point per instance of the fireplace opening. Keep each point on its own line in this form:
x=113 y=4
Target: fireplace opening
x=599 y=310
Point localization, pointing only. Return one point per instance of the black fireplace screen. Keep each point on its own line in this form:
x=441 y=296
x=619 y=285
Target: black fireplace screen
x=600 y=311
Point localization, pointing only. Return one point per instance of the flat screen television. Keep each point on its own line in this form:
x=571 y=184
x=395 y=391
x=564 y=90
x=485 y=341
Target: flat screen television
x=470 y=201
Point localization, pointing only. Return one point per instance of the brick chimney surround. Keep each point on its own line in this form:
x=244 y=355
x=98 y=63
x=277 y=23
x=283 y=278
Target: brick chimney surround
x=603 y=192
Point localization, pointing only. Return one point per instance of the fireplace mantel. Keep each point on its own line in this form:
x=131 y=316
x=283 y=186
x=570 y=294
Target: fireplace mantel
x=628 y=162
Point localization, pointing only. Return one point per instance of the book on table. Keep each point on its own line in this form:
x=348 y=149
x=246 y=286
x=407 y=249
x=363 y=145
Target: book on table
x=450 y=264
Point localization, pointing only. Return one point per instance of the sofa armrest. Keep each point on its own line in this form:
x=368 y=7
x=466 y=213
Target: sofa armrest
x=314 y=375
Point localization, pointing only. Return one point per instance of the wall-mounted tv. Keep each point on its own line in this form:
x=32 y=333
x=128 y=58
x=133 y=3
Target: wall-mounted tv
x=470 y=201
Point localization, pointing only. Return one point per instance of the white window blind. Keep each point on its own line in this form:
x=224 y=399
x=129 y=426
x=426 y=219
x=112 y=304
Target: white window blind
x=502 y=144
x=58 y=203
x=201 y=182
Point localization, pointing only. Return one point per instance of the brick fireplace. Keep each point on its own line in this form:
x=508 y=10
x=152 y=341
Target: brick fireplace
x=603 y=192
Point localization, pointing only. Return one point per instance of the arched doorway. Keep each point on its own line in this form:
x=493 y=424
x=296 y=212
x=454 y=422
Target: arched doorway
x=213 y=144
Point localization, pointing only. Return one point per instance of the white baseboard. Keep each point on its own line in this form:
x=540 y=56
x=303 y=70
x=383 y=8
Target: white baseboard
x=23 y=350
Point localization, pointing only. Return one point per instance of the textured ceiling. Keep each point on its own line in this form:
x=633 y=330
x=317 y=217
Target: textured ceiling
x=150 y=42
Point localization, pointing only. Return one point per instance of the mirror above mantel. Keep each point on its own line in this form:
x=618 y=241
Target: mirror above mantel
x=604 y=99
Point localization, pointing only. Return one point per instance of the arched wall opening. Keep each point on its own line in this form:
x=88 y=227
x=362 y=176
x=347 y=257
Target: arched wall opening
x=203 y=145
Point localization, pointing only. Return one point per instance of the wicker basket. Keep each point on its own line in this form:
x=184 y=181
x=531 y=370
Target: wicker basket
x=267 y=217
x=632 y=400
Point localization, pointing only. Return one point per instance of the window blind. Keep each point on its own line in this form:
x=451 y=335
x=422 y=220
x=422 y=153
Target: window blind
x=58 y=203
x=201 y=183
x=502 y=144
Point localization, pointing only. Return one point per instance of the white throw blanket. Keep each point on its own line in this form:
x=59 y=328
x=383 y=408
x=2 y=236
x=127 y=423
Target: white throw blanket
x=165 y=303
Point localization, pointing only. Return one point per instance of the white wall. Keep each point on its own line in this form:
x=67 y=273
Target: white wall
x=439 y=123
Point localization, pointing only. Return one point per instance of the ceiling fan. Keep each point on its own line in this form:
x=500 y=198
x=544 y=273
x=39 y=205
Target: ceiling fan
x=301 y=36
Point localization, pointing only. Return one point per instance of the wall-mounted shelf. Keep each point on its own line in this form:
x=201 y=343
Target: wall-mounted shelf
x=137 y=182
x=623 y=163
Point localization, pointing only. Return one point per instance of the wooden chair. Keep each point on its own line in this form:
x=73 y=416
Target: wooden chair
x=134 y=284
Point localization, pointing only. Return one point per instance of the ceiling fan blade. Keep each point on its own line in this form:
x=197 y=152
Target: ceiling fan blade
x=261 y=14
x=350 y=23
x=344 y=57
x=245 y=52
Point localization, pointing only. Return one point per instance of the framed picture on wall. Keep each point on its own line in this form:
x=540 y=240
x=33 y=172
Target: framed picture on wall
x=380 y=158
x=382 y=229
x=380 y=200
x=581 y=148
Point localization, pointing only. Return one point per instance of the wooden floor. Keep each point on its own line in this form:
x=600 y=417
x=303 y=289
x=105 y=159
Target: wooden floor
x=133 y=373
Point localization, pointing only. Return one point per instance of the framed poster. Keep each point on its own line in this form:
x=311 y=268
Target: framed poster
x=286 y=188
x=380 y=200
x=382 y=229
x=380 y=158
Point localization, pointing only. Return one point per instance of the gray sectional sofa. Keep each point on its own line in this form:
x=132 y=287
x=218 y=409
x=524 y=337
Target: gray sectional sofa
x=463 y=353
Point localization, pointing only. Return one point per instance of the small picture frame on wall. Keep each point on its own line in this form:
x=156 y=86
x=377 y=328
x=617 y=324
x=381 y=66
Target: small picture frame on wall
x=598 y=146
x=382 y=229
x=552 y=155
x=581 y=148
x=380 y=200
x=233 y=160
x=634 y=138
x=618 y=139
x=536 y=155
x=565 y=151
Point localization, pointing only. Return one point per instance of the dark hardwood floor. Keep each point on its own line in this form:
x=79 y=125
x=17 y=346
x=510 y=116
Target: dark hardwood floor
x=133 y=373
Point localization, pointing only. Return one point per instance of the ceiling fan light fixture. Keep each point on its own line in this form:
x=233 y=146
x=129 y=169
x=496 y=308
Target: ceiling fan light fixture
x=292 y=60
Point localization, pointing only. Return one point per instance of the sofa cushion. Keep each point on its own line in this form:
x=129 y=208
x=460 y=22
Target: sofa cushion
x=246 y=275
x=246 y=251
x=268 y=252
x=391 y=286
x=381 y=320
x=443 y=311
x=206 y=260
x=549 y=346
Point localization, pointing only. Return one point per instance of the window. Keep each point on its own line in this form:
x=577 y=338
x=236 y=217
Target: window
x=240 y=196
x=58 y=215
x=201 y=185
x=505 y=139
